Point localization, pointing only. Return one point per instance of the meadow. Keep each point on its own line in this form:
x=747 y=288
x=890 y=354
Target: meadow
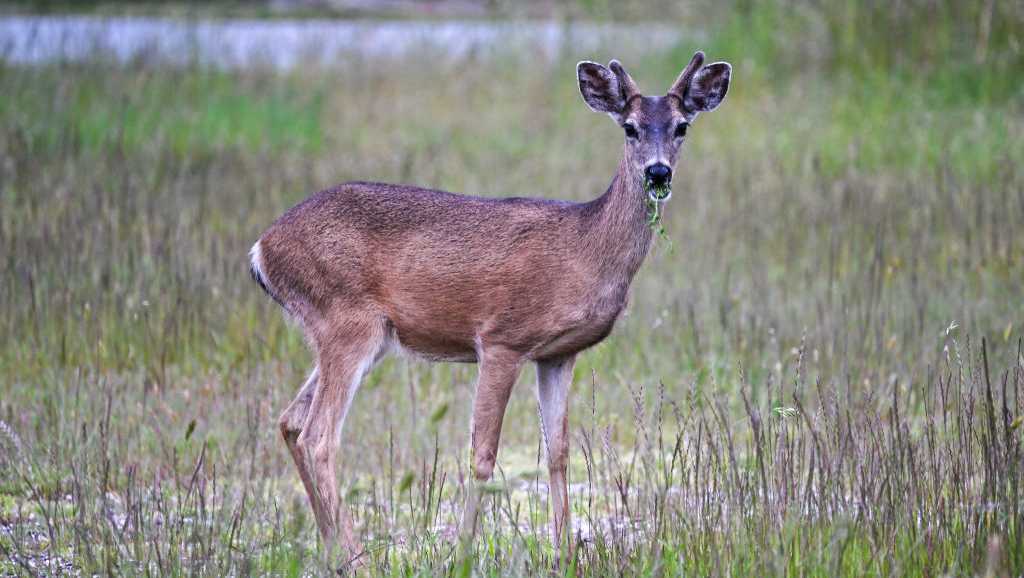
x=819 y=373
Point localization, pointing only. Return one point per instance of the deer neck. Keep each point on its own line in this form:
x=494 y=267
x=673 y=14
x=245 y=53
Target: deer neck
x=618 y=233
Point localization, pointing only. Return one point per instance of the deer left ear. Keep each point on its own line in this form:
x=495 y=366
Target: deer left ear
x=708 y=87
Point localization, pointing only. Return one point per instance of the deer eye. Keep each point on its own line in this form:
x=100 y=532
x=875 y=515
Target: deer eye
x=681 y=129
x=631 y=131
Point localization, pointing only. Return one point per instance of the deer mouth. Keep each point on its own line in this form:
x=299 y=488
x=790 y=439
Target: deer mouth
x=658 y=192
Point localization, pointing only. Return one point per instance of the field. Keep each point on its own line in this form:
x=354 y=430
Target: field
x=820 y=372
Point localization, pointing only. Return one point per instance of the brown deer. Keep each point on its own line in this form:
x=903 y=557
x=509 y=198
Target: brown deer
x=367 y=268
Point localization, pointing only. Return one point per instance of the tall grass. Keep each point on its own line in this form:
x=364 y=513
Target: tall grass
x=800 y=385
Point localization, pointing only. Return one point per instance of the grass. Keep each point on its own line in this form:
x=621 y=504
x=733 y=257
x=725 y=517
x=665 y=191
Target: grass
x=820 y=375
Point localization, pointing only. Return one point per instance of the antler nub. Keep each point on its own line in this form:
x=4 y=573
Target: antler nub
x=626 y=83
x=681 y=83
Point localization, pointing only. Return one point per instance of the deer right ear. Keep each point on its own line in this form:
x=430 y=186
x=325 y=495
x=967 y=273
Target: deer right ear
x=600 y=88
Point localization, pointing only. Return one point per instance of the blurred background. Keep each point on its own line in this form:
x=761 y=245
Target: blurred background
x=844 y=232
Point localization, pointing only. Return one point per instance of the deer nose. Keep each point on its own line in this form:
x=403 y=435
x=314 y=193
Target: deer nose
x=658 y=174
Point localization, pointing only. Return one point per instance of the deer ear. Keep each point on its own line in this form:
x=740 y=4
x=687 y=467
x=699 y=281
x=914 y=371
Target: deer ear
x=600 y=88
x=708 y=87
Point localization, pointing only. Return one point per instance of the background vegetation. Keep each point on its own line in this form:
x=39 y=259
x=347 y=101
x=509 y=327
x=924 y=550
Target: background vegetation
x=818 y=375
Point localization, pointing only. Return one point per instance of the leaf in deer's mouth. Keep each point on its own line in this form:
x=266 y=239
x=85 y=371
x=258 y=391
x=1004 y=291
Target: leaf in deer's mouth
x=658 y=192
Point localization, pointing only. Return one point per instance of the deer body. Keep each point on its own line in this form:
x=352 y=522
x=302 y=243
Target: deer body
x=545 y=278
x=369 y=267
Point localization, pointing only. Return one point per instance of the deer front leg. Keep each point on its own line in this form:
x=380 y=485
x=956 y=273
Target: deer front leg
x=554 y=378
x=499 y=369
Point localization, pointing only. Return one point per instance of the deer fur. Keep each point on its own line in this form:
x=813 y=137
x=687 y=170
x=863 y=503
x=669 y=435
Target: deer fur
x=366 y=268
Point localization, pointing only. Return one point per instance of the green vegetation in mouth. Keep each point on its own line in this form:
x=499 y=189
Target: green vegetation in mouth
x=657 y=192
x=655 y=195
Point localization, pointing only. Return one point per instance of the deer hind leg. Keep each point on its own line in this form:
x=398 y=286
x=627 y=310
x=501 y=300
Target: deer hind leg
x=291 y=422
x=499 y=369
x=554 y=378
x=345 y=353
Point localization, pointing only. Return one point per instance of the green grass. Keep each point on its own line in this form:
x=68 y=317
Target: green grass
x=197 y=114
x=798 y=388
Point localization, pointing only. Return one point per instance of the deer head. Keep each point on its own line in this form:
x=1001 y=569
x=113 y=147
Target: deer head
x=655 y=126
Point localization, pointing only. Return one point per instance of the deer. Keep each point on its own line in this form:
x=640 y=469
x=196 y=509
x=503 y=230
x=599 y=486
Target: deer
x=368 y=268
